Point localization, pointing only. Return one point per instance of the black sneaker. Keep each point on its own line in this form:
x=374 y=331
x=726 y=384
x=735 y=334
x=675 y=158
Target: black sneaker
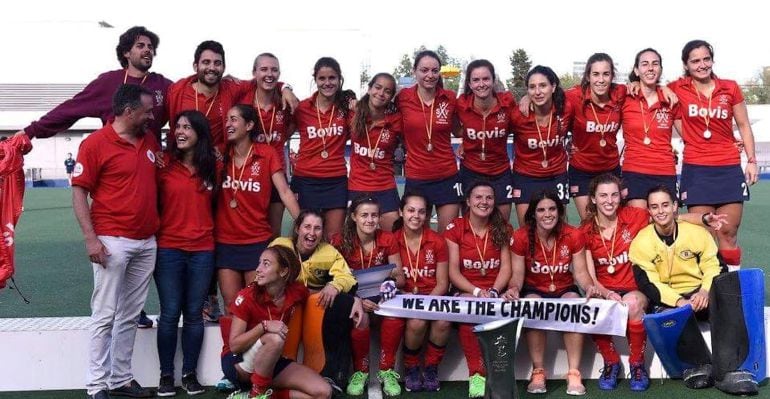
x=191 y=385
x=166 y=386
x=144 y=321
x=100 y=395
x=699 y=377
x=132 y=390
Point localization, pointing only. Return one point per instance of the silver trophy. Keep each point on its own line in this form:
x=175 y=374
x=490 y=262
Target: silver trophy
x=498 y=344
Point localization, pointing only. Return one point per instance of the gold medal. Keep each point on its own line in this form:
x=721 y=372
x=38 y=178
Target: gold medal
x=611 y=269
x=603 y=142
x=233 y=203
x=544 y=163
x=429 y=147
x=552 y=287
x=647 y=140
x=415 y=290
x=483 y=156
x=707 y=134
x=372 y=166
x=324 y=154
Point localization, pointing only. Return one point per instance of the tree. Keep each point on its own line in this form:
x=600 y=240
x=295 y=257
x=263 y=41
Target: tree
x=568 y=80
x=520 y=65
x=404 y=67
x=364 y=77
x=757 y=90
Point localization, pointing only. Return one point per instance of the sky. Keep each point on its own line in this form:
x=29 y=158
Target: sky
x=61 y=41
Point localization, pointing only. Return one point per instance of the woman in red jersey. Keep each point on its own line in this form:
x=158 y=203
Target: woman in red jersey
x=375 y=133
x=712 y=178
x=242 y=230
x=428 y=115
x=252 y=355
x=648 y=122
x=597 y=103
x=276 y=123
x=425 y=258
x=548 y=259
x=479 y=265
x=320 y=176
x=364 y=245
x=484 y=117
x=185 y=246
x=540 y=161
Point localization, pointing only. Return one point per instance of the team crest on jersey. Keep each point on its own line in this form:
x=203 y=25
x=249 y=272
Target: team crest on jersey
x=442 y=112
x=255 y=168
x=385 y=136
x=239 y=300
x=78 y=170
x=340 y=115
x=501 y=117
x=279 y=117
x=626 y=236
x=380 y=258
x=151 y=156
x=686 y=254
x=657 y=260
x=158 y=98
x=430 y=258
x=564 y=251
x=723 y=99
x=663 y=116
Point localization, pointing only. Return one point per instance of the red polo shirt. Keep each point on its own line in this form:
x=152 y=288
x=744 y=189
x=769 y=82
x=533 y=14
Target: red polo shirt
x=250 y=187
x=422 y=164
x=587 y=129
x=476 y=253
x=538 y=273
x=420 y=268
x=720 y=149
x=528 y=155
x=332 y=130
x=378 y=148
x=384 y=246
x=489 y=134
x=120 y=178
x=656 y=158
x=186 y=208
x=281 y=121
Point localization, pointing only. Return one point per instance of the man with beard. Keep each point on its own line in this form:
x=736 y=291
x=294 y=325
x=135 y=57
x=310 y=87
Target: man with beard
x=135 y=51
x=116 y=167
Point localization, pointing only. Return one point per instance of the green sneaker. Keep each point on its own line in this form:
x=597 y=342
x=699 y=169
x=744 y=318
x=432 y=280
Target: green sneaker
x=357 y=383
x=476 y=386
x=389 y=379
x=245 y=395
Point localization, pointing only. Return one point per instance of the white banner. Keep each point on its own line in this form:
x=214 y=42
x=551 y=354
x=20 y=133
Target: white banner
x=595 y=316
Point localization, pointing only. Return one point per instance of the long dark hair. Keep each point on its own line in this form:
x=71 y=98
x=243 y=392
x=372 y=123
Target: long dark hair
x=497 y=223
x=249 y=114
x=287 y=259
x=349 y=230
x=591 y=211
x=692 y=45
x=341 y=97
x=593 y=59
x=475 y=64
x=632 y=76
x=559 y=98
x=399 y=223
x=531 y=221
x=362 y=106
x=301 y=218
x=204 y=156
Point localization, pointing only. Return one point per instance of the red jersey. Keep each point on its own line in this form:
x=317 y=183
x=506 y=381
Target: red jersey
x=529 y=145
x=120 y=178
x=655 y=158
x=385 y=245
x=630 y=221
x=186 y=209
x=590 y=122
x=182 y=96
x=319 y=132
x=275 y=120
x=699 y=113
x=551 y=265
x=487 y=136
x=248 y=188
x=253 y=312
x=420 y=267
x=375 y=150
x=479 y=257
x=419 y=119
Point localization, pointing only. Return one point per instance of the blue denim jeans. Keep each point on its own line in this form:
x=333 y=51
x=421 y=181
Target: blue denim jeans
x=182 y=278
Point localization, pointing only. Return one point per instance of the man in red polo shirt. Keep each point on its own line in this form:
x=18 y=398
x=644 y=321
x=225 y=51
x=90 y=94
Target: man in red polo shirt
x=116 y=167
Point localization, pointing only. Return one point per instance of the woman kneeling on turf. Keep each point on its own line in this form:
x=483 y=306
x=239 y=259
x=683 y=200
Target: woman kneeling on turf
x=258 y=332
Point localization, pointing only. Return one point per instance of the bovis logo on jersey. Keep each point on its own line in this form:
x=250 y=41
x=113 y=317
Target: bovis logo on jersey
x=619 y=259
x=548 y=269
x=334 y=130
x=593 y=127
x=534 y=143
x=248 y=185
x=274 y=137
x=495 y=133
x=693 y=111
x=367 y=152
x=442 y=113
x=478 y=265
x=421 y=272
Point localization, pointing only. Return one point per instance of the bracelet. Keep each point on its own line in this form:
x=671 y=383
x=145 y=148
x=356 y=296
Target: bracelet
x=703 y=218
x=476 y=291
x=493 y=292
x=287 y=87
